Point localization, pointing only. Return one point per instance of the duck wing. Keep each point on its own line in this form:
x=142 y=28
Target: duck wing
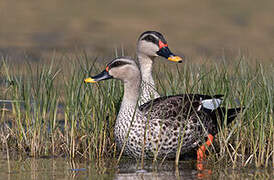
x=171 y=106
x=191 y=108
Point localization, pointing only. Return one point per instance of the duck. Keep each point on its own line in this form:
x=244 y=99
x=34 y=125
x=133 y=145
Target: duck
x=152 y=44
x=160 y=126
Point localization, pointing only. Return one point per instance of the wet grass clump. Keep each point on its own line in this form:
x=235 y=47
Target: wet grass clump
x=47 y=110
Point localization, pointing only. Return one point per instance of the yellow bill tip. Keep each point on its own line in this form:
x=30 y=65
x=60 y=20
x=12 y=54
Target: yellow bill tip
x=90 y=80
x=175 y=58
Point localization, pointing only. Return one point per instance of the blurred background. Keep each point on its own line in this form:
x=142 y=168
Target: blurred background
x=197 y=29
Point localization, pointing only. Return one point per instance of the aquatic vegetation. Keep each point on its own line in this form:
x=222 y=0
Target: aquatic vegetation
x=49 y=111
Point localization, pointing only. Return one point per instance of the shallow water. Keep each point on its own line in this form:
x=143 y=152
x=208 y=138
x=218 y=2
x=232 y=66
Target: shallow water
x=61 y=168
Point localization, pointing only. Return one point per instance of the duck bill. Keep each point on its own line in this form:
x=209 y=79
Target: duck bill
x=166 y=53
x=102 y=76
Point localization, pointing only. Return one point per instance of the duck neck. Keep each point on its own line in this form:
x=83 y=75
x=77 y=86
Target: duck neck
x=146 y=63
x=149 y=91
x=128 y=111
x=131 y=93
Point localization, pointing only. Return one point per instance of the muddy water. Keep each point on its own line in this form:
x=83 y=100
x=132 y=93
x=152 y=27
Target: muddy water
x=60 y=168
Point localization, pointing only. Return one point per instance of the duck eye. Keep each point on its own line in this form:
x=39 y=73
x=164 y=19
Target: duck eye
x=150 y=38
x=116 y=64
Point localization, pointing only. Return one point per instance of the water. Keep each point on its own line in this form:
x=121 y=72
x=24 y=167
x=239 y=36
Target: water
x=61 y=168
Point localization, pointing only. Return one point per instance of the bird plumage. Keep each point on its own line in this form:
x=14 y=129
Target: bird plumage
x=158 y=126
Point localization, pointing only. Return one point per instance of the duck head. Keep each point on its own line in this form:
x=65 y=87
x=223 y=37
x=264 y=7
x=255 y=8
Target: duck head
x=153 y=44
x=121 y=68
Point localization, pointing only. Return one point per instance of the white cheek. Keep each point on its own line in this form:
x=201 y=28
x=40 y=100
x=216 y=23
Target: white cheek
x=148 y=48
x=114 y=73
x=119 y=73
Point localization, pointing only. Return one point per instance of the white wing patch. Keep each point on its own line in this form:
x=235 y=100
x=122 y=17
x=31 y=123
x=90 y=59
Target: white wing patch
x=211 y=103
